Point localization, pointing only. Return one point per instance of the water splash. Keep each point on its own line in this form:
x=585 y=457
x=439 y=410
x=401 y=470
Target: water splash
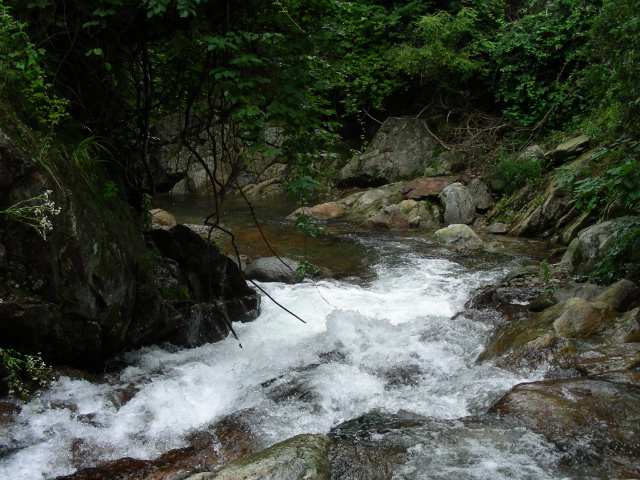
x=390 y=345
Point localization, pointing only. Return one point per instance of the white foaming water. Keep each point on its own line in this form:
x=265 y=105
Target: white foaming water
x=392 y=345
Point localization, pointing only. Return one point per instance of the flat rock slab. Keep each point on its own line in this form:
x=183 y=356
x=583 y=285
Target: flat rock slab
x=425 y=187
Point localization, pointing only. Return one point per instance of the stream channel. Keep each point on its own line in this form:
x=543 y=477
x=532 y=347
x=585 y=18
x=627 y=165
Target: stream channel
x=386 y=340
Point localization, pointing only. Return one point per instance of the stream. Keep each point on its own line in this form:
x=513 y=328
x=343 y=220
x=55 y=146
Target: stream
x=382 y=337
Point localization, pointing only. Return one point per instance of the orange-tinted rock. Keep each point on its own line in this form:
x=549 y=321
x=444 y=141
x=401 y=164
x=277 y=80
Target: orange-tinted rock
x=163 y=218
x=207 y=451
x=324 y=210
x=426 y=187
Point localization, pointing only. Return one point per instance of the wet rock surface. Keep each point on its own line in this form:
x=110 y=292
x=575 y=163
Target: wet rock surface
x=201 y=292
x=459 y=235
x=595 y=419
x=583 y=328
x=304 y=457
x=381 y=446
x=274 y=269
x=207 y=450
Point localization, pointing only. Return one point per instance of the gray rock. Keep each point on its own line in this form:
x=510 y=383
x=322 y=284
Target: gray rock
x=459 y=206
x=498 y=228
x=543 y=210
x=446 y=163
x=360 y=206
x=459 y=235
x=570 y=148
x=391 y=218
x=401 y=149
x=533 y=151
x=592 y=244
x=304 y=457
x=589 y=332
x=482 y=198
x=273 y=269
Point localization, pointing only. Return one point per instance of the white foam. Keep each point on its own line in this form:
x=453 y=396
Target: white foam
x=391 y=345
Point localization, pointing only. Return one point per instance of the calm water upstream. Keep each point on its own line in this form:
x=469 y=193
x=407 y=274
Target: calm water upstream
x=384 y=340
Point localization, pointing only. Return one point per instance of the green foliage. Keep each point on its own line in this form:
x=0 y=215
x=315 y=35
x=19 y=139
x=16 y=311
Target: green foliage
x=513 y=172
x=623 y=251
x=545 y=274
x=613 y=52
x=362 y=38
x=110 y=190
x=536 y=61
x=85 y=158
x=444 y=50
x=309 y=225
x=18 y=369
x=22 y=77
x=617 y=178
x=306 y=268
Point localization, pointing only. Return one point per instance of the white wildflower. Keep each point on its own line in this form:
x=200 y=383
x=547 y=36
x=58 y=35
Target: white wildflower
x=35 y=212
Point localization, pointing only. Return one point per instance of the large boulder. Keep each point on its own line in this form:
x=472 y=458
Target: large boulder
x=274 y=269
x=401 y=149
x=593 y=243
x=595 y=413
x=199 y=293
x=459 y=235
x=84 y=290
x=459 y=205
x=593 y=331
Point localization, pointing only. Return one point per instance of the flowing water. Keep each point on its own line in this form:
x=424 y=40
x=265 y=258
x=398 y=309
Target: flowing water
x=386 y=341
